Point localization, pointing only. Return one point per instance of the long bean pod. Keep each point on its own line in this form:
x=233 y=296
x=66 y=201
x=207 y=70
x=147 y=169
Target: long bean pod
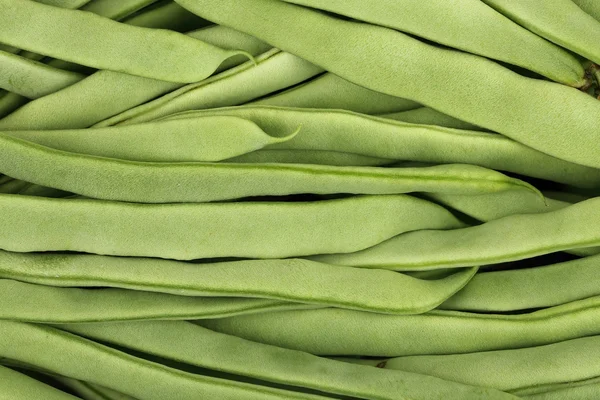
x=18 y=386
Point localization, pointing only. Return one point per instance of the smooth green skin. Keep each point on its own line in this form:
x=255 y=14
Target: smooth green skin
x=273 y=70
x=45 y=304
x=331 y=91
x=592 y=7
x=290 y=280
x=510 y=238
x=210 y=138
x=509 y=370
x=582 y=390
x=116 y=10
x=357 y=333
x=89 y=391
x=9 y=102
x=65 y=354
x=237 y=356
x=451 y=23
x=72 y=4
x=318 y=157
x=550 y=117
x=429 y=116
x=33 y=79
x=560 y=21
x=348 y=132
x=207 y=230
x=107 y=93
x=180 y=182
x=18 y=386
x=167 y=15
x=101 y=43
x=529 y=288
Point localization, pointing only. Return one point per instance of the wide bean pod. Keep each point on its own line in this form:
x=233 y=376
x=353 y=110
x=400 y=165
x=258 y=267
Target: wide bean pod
x=360 y=333
x=333 y=92
x=241 y=357
x=429 y=116
x=582 y=390
x=90 y=391
x=105 y=44
x=345 y=131
x=18 y=386
x=166 y=15
x=451 y=23
x=178 y=182
x=511 y=238
x=207 y=230
x=194 y=139
x=592 y=7
x=63 y=353
x=550 y=117
x=72 y=4
x=116 y=10
x=318 y=157
x=292 y=280
x=508 y=370
x=107 y=93
x=561 y=22
x=529 y=288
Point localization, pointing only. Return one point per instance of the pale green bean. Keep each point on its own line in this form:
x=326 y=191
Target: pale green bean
x=116 y=9
x=318 y=157
x=72 y=4
x=18 y=386
x=166 y=15
x=582 y=390
x=429 y=116
x=592 y=7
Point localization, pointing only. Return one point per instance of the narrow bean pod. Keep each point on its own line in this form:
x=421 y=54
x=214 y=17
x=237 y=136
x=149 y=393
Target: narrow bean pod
x=116 y=10
x=318 y=157
x=166 y=15
x=90 y=391
x=18 y=386
x=582 y=390
x=360 y=333
x=429 y=116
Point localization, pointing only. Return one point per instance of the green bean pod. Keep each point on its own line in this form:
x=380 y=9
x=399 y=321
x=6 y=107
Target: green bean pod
x=509 y=370
x=198 y=139
x=18 y=386
x=206 y=230
x=344 y=131
x=318 y=157
x=511 y=238
x=582 y=390
x=166 y=15
x=71 y=4
x=90 y=391
x=591 y=7
x=66 y=354
x=105 y=44
x=360 y=333
x=529 y=288
x=289 y=280
x=561 y=22
x=550 y=117
x=116 y=10
x=429 y=116
x=9 y=102
x=330 y=91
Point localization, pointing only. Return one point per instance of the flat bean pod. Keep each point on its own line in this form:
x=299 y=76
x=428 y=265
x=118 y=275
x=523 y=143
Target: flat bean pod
x=33 y=79
x=429 y=116
x=561 y=22
x=105 y=44
x=237 y=356
x=200 y=230
x=195 y=139
x=491 y=96
x=591 y=7
x=107 y=93
x=46 y=304
x=157 y=182
x=166 y=15
x=509 y=370
x=90 y=391
x=290 y=280
x=582 y=390
x=9 y=102
x=454 y=27
x=436 y=332
x=345 y=131
x=318 y=157
x=116 y=10
x=272 y=71
x=18 y=386
x=71 y=4
x=529 y=288
x=331 y=91
x=75 y=357
x=511 y=238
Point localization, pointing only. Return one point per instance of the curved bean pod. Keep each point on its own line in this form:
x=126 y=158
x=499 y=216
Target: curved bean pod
x=18 y=386
x=116 y=10
x=71 y=4
x=45 y=304
x=200 y=230
x=561 y=22
x=529 y=288
x=9 y=102
x=272 y=71
x=105 y=44
x=511 y=238
x=437 y=332
x=553 y=118
x=107 y=93
x=509 y=370
x=284 y=366
x=331 y=91
x=318 y=157
x=180 y=182
x=429 y=116
x=33 y=79
x=591 y=7
x=456 y=29
x=167 y=15
x=582 y=390
x=75 y=357
x=194 y=139
x=292 y=280
x=345 y=131
x=90 y=391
